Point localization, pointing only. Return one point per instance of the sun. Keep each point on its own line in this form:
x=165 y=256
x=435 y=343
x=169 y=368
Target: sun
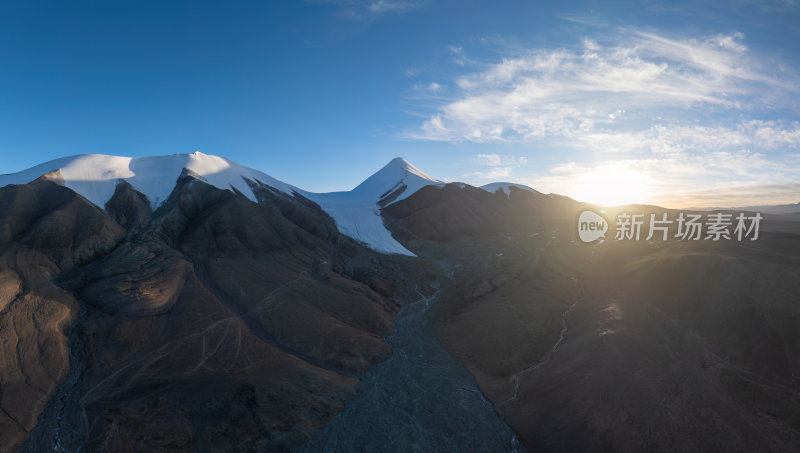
x=613 y=186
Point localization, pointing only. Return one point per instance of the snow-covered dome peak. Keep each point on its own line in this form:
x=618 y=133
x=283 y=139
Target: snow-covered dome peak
x=95 y=176
x=505 y=187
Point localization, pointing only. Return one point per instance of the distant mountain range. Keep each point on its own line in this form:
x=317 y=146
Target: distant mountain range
x=764 y=209
x=187 y=303
x=95 y=177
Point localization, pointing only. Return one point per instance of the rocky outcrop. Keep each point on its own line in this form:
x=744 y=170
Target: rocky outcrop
x=128 y=207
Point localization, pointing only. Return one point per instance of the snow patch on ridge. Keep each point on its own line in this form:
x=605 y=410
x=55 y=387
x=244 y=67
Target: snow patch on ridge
x=357 y=212
x=360 y=219
x=505 y=187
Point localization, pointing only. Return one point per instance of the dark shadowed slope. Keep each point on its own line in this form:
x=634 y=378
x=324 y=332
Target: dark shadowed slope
x=647 y=346
x=45 y=230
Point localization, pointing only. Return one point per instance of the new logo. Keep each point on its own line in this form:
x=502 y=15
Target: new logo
x=591 y=226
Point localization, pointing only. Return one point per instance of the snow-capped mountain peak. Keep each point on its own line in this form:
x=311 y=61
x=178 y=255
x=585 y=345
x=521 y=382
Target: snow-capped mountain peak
x=95 y=176
x=396 y=174
x=356 y=213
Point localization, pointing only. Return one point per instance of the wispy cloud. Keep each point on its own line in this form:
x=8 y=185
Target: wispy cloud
x=584 y=20
x=426 y=90
x=493 y=173
x=684 y=111
x=496 y=160
x=774 y=6
x=388 y=6
x=672 y=139
x=572 y=92
x=372 y=9
x=495 y=166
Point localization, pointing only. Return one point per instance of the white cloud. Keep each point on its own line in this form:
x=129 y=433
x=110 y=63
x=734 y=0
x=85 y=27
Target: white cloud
x=731 y=42
x=774 y=6
x=499 y=166
x=430 y=90
x=665 y=139
x=678 y=115
x=569 y=93
x=385 y=6
x=496 y=160
x=433 y=129
x=492 y=173
x=367 y=10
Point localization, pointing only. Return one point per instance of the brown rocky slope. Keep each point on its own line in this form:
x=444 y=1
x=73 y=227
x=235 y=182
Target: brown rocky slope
x=212 y=323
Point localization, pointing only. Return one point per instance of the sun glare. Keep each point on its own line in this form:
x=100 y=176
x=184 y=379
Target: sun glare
x=613 y=186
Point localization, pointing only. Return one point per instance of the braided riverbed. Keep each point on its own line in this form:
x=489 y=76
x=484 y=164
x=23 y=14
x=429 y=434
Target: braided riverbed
x=420 y=399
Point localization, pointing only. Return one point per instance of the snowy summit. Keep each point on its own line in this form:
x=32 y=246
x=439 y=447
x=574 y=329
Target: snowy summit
x=505 y=187
x=95 y=176
x=356 y=212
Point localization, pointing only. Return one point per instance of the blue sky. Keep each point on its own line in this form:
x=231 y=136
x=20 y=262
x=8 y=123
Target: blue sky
x=679 y=103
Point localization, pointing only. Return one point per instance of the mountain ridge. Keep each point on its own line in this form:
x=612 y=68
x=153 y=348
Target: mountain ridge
x=95 y=176
x=214 y=322
x=355 y=212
